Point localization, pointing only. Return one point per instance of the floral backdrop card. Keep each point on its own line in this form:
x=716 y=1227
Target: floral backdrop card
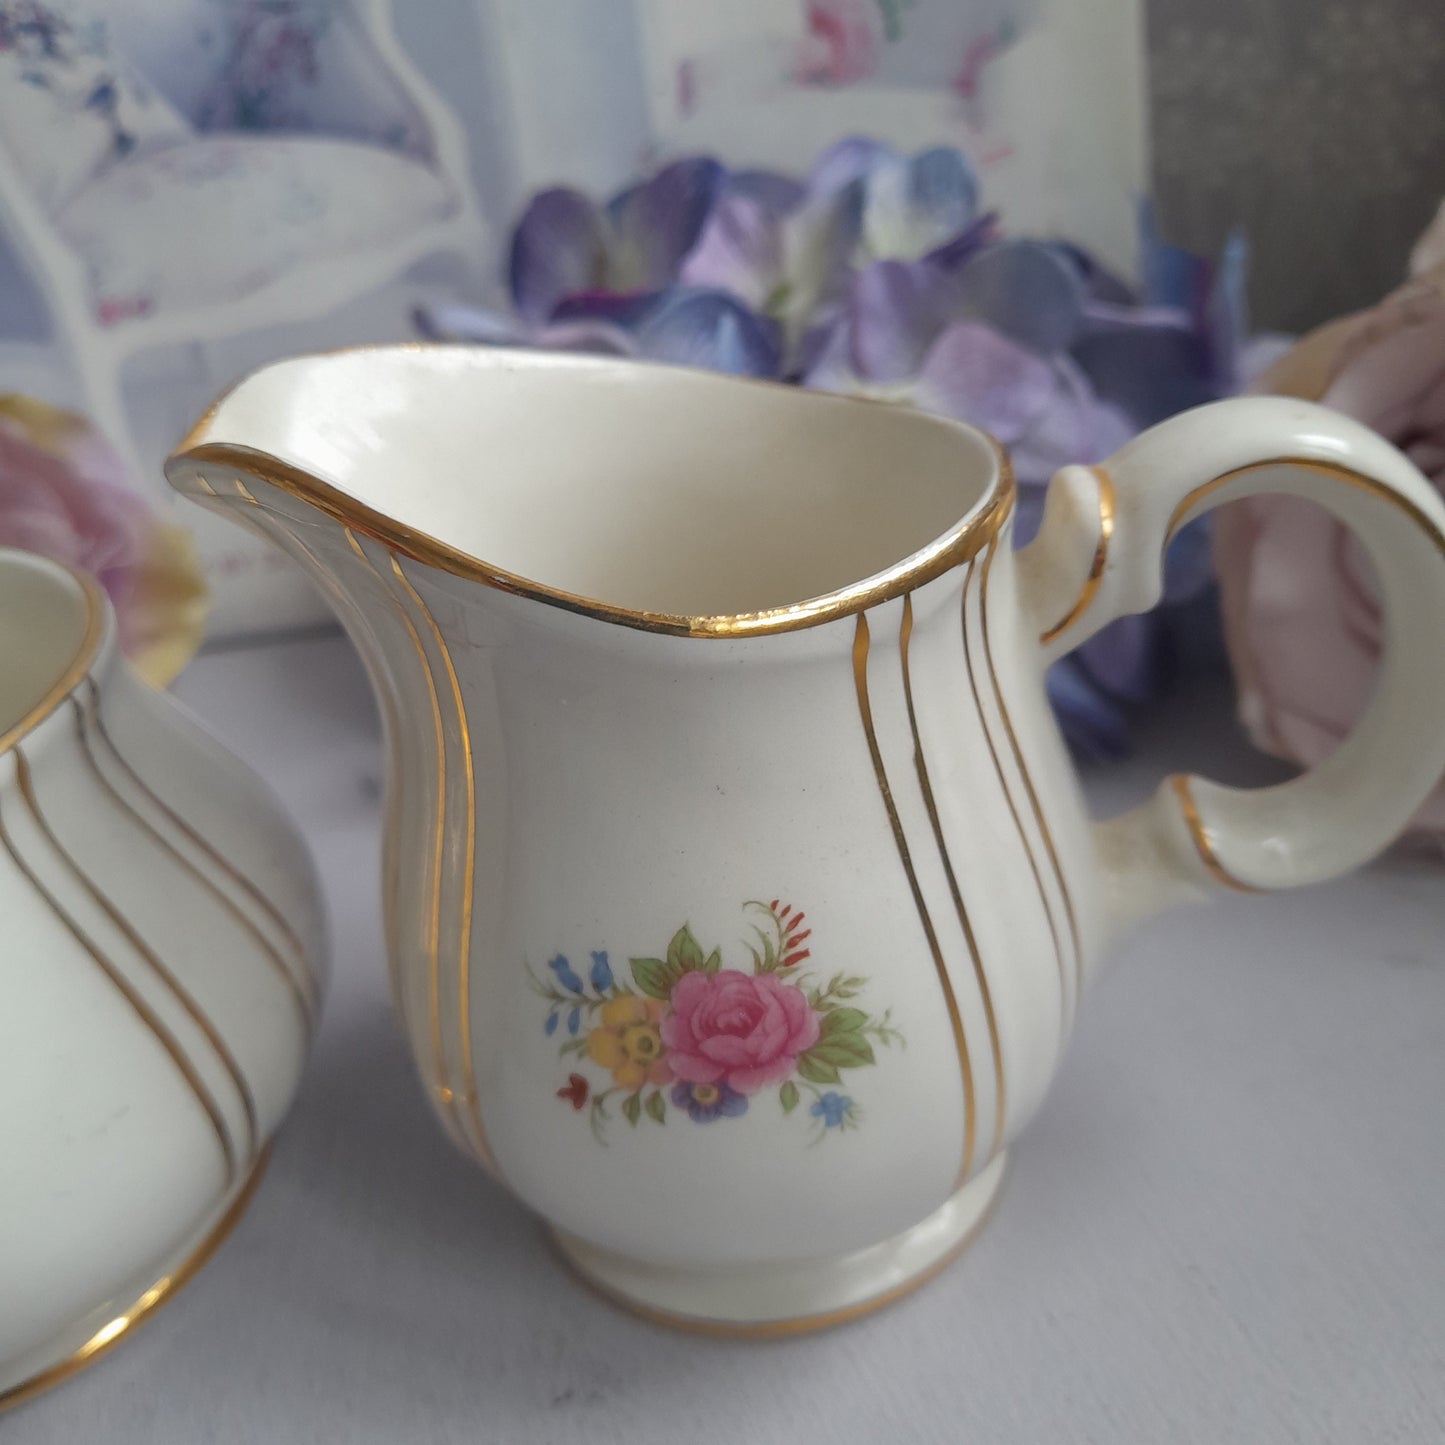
x=1046 y=97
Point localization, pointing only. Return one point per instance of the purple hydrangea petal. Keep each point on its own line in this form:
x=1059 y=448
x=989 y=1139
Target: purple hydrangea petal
x=1126 y=658
x=456 y=321
x=1029 y=290
x=894 y=316
x=592 y=337
x=845 y=162
x=976 y=374
x=1149 y=373
x=1094 y=726
x=1075 y=427
x=620 y=309
x=1189 y=562
x=657 y=223
x=740 y=250
x=710 y=329
x=558 y=247
x=915 y=205
x=776 y=194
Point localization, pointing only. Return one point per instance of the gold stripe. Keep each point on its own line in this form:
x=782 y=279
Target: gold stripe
x=1097 y=566
x=74 y=670
x=1347 y=476
x=776 y=1329
x=268 y=949
x=142 y=1011
x=183 y=996
x=391 y=862
x=1043 y=892
x=440 y=1089
x=1203 y=843
x=905 y=634
x=433 y=931
x=965 y=539
x=464 y=943
x=1028 y=782
x=865 y=712
x=110 y=1334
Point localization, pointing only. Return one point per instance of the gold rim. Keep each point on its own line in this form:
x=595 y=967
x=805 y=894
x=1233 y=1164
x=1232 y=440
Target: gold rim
x=1097 y=565
x=964 y=540
x=75 y=669
x=780 y=1329
x=110 y=1335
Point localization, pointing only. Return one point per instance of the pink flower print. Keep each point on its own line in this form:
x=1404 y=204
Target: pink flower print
x=738 y=1029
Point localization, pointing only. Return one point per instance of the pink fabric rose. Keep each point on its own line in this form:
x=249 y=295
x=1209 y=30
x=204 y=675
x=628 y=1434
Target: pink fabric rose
x=1301 y=616
x=63 y=494
x=744 y=1030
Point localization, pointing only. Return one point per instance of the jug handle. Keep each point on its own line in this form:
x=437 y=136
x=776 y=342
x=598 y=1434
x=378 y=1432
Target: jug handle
x=1194 y=837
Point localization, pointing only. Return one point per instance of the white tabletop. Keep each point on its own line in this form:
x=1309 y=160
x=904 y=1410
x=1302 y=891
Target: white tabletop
x=1228 y=1221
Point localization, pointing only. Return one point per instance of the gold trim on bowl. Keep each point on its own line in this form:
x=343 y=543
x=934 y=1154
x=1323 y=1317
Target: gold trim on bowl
x=114 y=1331
x=75 y=669
x=962 y=541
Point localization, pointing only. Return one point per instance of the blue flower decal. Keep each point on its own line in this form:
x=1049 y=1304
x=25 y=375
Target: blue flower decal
x=706 y=1102
x=833 y=1109
x=565 y=976
x=601 y=972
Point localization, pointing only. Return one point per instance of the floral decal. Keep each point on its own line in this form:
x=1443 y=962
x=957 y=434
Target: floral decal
x=688 y=1036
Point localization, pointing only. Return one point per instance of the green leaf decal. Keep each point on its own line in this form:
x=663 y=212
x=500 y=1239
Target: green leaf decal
x=788 y=1097
x=713 y=961
x=848 y=1050
x=656 y=1107
x=632 y=1108
x=654 y=977
x=816 y=1070
x=683 y=953
x=843 y=1021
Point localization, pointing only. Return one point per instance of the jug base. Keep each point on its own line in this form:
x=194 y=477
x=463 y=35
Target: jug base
x=88 y=1340
x=786 y=1299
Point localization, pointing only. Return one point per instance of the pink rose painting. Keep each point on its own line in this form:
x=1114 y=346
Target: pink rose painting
x=719 y=1036
x=63 y=494
x=744 y=1030
x=1301 y=616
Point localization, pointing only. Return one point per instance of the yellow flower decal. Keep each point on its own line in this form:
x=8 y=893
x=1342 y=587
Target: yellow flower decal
x=628 y=1041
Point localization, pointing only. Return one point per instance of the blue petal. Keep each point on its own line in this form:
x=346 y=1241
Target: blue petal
x=710 y=329
x=601 y=972
x=565 y=976
x=915 y=206
x=574 y=1020
x=550 y=1027
x=657 y=223
x=1094 y=726
x=1028 y=290
x=557 y=248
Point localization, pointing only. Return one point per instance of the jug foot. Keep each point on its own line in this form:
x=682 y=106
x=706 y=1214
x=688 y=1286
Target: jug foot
x=784 y=1299
x=89 y=1339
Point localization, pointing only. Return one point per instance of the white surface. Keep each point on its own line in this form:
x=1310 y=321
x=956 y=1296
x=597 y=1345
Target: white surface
x=1226 y=1222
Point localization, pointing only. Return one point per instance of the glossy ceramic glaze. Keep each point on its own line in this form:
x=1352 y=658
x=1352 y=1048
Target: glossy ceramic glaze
x=160 y=978
x=740 y=895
